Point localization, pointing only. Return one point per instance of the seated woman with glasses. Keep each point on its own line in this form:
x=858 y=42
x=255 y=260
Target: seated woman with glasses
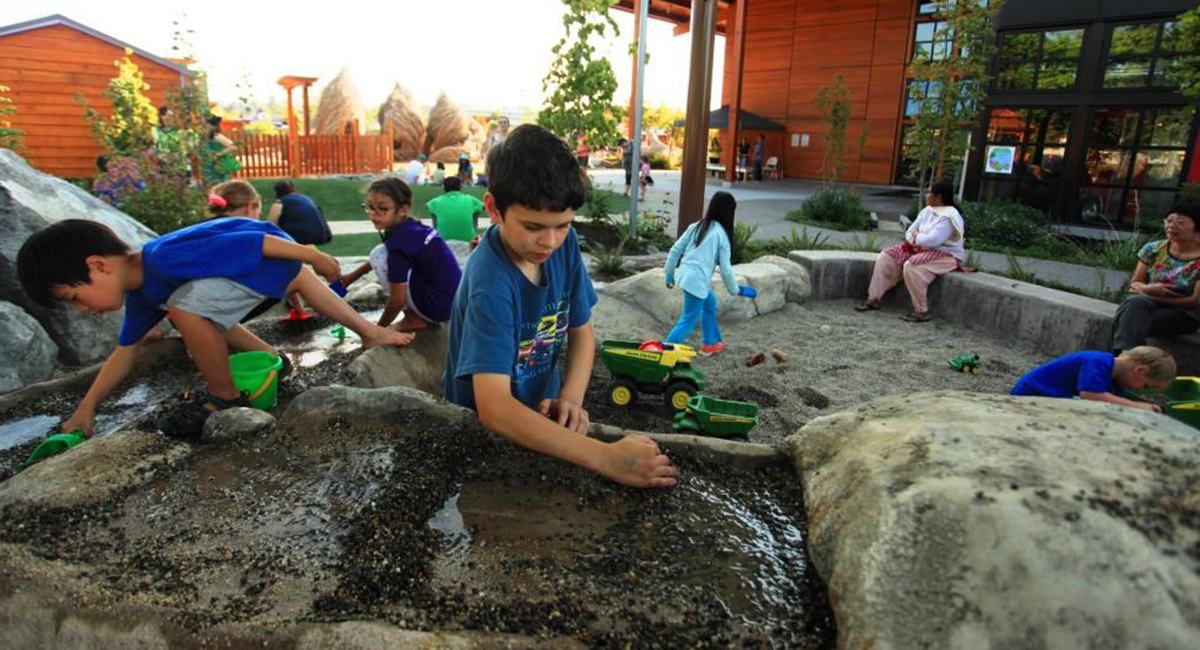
x=1164 y=300
x=413 y=262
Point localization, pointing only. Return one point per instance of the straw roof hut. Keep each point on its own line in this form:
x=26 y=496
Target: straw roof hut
x=409 y=128
x=340 y=106
x=451 y=126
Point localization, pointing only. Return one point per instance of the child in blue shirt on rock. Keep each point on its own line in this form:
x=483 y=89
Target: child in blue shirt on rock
x=703 y=246
x=413 y=261
x=1100 y=376
x=525 y=292
x=206 y=277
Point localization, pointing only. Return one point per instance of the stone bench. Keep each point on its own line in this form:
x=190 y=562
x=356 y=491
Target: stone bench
x=1054 y=322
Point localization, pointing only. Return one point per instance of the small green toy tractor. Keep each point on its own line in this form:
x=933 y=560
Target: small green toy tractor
x=652 y=367
x=966 y=363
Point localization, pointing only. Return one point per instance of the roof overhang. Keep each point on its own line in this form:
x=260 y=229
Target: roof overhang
x=679 y=12
x=59 y=19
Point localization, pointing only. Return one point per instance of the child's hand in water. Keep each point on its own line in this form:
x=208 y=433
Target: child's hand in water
x=80 y=420
x=637 y=462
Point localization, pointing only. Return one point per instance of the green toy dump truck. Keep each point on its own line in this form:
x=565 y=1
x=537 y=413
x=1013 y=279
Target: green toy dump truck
x=652 y=367
x=1181 y=400
x=720 y=418
x=966 y=363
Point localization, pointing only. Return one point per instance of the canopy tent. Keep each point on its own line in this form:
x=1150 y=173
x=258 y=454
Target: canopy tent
x=747 y=121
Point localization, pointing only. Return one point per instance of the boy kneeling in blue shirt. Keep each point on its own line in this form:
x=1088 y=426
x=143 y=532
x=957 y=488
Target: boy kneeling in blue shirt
x=524 y=292
x=207 y=277
x=1100 y=376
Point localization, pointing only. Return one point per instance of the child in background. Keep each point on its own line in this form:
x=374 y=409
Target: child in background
x=466 y=173
x=1100 y=376
x=702 y=246
x=207 y=277
x=413 y=260
x=644 y=177
x=525 y=293
x=439 y=174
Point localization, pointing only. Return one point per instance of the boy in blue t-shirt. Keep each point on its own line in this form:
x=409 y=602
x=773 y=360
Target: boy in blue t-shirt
x=525 y=292
x=1100 y=376
x=206 y=277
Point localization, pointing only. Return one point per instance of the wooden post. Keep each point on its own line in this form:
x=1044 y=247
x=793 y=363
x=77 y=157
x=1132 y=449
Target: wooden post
x=695 y=142
x=732 y=152
x=637 y=34
x=390 y=134
x=294 y=166
x=307 y=131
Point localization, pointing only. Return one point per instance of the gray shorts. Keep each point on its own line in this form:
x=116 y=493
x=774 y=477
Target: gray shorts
x=222 y=301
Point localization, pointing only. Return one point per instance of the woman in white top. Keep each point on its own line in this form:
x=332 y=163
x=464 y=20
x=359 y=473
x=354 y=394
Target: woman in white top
x=933 y=246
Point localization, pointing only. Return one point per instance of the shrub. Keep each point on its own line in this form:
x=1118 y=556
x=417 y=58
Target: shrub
x=610 y=261
x=596 y=208
x=659 y=161
x=119 y=182
x=1004 y=223
x=1190 y=191
x=739 y=244
x=652 y=231
x=914 y=207
x=838 y=206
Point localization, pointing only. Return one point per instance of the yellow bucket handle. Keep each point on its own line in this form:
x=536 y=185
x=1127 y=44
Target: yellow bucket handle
x=266 y=384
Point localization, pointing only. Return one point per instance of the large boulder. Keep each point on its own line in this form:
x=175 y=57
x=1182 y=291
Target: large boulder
x=376 y=407
x=953 y=520
x=30 y=201
x=799 y=286
x=237 y=424
x=92 y=472
x=27 y=350
x=419 y=364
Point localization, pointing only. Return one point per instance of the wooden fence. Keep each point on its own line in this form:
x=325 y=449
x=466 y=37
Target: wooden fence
x=283 y=156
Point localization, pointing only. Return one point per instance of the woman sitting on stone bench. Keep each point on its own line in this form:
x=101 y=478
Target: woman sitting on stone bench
x=1165 y=295
x=933 y=246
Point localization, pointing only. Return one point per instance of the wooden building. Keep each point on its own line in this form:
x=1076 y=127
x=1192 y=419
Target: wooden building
x=45 y=62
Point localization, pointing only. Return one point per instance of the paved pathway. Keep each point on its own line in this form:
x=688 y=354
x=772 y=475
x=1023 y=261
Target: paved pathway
x=766 y=204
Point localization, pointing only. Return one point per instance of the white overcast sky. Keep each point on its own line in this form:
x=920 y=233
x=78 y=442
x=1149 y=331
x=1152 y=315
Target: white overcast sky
x=483 y=53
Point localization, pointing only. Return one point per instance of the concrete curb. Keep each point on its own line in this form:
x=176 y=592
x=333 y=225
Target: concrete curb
x=1054 y=322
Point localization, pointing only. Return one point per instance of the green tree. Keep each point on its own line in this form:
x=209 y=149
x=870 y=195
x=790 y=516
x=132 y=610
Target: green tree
x=580 y=84
x=951 y=82
x=10 y=136
x=834 y=104
x=1184 y=37
x=130 y=128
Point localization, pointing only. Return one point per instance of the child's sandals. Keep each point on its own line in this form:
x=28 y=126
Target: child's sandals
x=187 y=421
x=916 y=317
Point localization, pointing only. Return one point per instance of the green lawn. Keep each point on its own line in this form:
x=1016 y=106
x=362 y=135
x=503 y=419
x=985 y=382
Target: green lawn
x=342 y=199
x=352 y=245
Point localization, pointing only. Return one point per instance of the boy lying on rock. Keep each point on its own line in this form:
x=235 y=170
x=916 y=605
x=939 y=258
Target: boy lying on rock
x=1100 y=376
x=525 y=291
x=207 y=277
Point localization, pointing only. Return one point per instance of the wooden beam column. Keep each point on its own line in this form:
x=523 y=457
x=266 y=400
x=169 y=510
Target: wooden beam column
x=731 y=153
x=305 y=91
x=695 y=142
x=637 y=34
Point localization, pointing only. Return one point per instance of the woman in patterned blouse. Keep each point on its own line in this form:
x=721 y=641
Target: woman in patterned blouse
x=1164 y=300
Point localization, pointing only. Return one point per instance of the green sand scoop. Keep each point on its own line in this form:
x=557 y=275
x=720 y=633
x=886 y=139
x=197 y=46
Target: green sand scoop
x=54 y=445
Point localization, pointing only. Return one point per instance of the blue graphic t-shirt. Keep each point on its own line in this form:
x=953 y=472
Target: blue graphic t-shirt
x=1070 y=375
x=229 y=247
x=501 y=323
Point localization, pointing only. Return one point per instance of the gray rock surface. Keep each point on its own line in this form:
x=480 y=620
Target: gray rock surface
x=30 y=201
x=26 y=349
x=799 y=286
x=358 y=635
x=382 y=407
x=236 y=424
x=92 y=472
x=366 y=293
x=419 y=364
x=954 y=520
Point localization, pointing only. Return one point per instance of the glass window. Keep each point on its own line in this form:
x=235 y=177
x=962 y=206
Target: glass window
x=1039 y=60
x=932 y=41
x=1134 y=163
x=1025 y=154
x=1142 y=55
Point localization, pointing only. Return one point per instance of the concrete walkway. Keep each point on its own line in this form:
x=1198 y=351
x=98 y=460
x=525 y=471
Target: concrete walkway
x=765 y=204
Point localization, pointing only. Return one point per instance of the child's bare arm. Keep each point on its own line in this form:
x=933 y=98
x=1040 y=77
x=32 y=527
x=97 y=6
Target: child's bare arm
x=282 y=249
x=633 y=460
x=1117 y=399
x=115 y=369
x=395 y=304
x=353 y=276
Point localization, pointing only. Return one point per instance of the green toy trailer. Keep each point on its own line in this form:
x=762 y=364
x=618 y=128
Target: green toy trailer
x=719 y=418
x=655 y=368
x=966 y=363
x=1180 y=400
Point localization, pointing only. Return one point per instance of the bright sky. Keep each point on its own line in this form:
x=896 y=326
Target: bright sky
x=483 y=53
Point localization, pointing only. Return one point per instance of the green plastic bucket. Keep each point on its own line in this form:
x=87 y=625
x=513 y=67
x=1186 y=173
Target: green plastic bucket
x=53 y=445
x=257 y=375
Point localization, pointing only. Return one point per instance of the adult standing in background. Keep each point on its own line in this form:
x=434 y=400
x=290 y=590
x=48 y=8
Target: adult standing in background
x=759 y=149
x=582 y=153
x=495 y=136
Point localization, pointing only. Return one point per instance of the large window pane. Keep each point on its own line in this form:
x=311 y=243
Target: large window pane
x=1006 y=126
x=1101 y=204
x=925 y=31
x=1063 y=44
x=1167 y=127
x=1057 y=76
x=1020 y=46
x=1107 y=166
x=1134 y=73
x=1015 y=76
x=992 y=189
x=1158 y=168
x=1114 y=126
x=1153 y=206
x=1174 y=40
x=1049 y=125
x=1133 y=39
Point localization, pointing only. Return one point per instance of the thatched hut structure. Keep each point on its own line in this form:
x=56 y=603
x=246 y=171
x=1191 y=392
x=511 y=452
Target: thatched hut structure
x=408 y=126
x=339 y=107
x=451 y=126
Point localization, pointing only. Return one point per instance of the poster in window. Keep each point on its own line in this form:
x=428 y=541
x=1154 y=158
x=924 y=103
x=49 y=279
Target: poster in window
x=1000 y=159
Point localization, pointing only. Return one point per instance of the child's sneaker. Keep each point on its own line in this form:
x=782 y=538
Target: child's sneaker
x=286 y=369
x=709 y=350
x=187 y=421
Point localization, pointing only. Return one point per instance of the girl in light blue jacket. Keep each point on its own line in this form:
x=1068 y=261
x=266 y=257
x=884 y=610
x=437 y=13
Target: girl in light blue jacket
x=703 y=246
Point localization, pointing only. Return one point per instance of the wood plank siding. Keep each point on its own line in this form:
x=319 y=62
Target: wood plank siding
x=794 y=47
x=44 y=67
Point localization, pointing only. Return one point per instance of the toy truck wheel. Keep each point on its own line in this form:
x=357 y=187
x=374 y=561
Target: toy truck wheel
x=623 y=393
x=678 y=394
